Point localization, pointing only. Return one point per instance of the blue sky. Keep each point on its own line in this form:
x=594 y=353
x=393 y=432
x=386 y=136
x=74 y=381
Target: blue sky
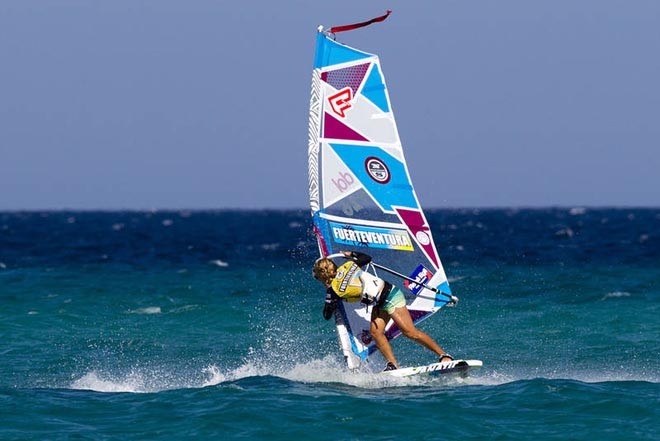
x=203 y=104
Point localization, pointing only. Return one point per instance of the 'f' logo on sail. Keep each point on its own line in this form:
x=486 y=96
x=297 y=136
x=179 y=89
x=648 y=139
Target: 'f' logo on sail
x=341 y=101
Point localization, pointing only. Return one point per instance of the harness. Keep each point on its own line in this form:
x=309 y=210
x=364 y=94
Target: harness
x=352 y=284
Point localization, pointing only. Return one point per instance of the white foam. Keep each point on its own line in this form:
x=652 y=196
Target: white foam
x=329 y=370
x=147 y=380
x=607 y=373
x=91 y=381
x=147 y=310
x=616 y=294
x=565 y=232
x=494 y=376
x=220 y=263
x=214 y=376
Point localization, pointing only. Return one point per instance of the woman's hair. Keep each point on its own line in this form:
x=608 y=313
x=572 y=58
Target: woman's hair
x=324 y=270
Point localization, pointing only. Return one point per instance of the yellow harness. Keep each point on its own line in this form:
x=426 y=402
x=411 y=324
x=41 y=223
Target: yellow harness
x=353 y=284
x=347 y=283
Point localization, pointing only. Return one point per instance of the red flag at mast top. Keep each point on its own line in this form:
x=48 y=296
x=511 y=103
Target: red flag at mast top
x=350 y=27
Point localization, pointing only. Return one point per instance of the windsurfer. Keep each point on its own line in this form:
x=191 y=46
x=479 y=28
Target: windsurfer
x=349 y=282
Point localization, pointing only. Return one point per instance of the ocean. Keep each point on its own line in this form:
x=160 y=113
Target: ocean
x=194 y=325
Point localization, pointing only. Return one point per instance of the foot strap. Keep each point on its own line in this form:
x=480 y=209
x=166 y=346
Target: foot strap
x=389 y=367
x=445 y=355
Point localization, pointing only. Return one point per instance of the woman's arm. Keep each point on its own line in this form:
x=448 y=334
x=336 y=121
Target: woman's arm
x=360 y=258
x=330 y=304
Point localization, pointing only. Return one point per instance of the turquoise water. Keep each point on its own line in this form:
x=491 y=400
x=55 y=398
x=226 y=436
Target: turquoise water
x=207 y=325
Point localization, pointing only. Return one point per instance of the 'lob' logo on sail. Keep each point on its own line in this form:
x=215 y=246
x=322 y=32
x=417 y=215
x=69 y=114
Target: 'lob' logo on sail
x=343 y=182
x=340 y=102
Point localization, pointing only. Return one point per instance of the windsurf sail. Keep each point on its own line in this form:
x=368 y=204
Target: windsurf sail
x=361 y=194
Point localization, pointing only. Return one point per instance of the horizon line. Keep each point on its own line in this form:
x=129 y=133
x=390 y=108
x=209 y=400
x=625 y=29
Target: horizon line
x=249 y=209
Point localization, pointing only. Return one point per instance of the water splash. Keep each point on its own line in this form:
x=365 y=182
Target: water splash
x=215 y=377
x=147 y=380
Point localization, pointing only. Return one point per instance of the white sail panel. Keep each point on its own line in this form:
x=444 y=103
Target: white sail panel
x=340 y=182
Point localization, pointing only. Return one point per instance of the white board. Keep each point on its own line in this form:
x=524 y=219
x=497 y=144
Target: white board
x=447 y=367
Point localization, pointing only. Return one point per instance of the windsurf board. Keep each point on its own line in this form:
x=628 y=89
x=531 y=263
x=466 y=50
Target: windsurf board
x=460 y=367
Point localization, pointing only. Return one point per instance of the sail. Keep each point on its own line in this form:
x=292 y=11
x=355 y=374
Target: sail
x=361 y=194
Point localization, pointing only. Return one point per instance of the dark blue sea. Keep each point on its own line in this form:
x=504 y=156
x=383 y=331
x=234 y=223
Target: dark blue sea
x=195 y=325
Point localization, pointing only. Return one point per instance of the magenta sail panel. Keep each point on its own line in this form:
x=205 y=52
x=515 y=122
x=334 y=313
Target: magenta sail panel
x=347 y=77
x=417 y=225
x=335 y=129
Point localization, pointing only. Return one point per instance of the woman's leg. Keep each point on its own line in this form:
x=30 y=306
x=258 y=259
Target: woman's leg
x=379 y=319
x=402 y=318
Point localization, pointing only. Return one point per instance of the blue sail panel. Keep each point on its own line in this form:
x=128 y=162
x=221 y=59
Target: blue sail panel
x=393 y=188
x=329 y=52
x=374 y=89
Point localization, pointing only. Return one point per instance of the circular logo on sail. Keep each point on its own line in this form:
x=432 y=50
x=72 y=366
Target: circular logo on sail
x=377 y=170
x=423 y=238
